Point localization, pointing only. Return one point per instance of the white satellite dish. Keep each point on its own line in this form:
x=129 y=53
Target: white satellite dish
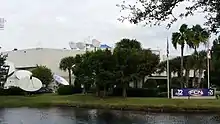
x=22 y=74
x=80 y=45
x=30 y=84
x=11 y=83
x=11 y=67
x=72 y=45
x=60 y=80
x=96 y=43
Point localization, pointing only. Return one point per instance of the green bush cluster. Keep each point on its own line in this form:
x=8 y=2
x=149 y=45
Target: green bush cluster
x=68 y=90
x=12 y=91
x=136 y=92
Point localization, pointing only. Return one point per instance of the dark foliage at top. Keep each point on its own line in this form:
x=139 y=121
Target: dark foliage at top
x=157 y=11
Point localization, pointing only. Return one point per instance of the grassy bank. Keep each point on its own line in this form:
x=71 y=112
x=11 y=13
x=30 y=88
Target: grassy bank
x=88 y=101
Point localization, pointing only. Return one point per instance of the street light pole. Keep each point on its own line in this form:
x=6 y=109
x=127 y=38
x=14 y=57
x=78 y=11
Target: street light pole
x=168 y=71
x=208 y=67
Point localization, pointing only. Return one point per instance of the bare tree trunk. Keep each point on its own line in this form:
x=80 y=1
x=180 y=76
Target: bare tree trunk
x=143 y=81
x=182 y=68
x=104 y=92
x=187 y=78
x=124 y=93
x=194 y=78
x=70 y=76
x=135 y=84
x=97 y=91
x=200 y=77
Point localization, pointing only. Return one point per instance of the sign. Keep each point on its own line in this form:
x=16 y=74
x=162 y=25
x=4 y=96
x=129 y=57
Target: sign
x=192 y=92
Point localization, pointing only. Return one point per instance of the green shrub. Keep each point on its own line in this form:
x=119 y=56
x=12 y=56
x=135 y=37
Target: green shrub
x=68 y=90
x=44 y=74
x=15 y=91
x=2 y=92
x=136 y=92
x=162 y=94
x=12 y=91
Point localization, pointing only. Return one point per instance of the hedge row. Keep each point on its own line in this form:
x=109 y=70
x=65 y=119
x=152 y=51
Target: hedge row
x=136 y=92
x=68 y=90
x=11 y=91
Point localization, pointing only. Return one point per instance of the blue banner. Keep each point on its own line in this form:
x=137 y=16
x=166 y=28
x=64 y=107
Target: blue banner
x=193 y=92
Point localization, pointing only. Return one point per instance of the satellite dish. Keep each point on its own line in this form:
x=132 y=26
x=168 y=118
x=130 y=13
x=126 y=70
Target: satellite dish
x=80 y=45
x=30 y=84
x=60 y=80
x=72 y=45
x=11 y=67
x=95 y=43
x=11 y=82
x=22 y=74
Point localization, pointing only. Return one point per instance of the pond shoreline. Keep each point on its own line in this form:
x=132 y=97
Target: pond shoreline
x=152 y=109
x=157 y=105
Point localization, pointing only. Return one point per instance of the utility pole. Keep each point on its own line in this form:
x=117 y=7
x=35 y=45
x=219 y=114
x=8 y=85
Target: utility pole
x=168 y=71
x=208 y=67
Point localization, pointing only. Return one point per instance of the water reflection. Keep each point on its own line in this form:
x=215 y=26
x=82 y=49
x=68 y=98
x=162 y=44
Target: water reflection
x=85 y=116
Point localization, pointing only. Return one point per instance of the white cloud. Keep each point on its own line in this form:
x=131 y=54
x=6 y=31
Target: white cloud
x=54 y=23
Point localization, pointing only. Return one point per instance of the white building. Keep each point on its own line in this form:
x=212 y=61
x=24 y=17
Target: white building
x=30 y=58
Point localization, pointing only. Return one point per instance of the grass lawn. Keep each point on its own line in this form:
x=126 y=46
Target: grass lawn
x=89 y=101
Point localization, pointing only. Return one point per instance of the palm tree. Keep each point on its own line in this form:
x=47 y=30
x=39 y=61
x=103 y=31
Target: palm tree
x=181 y=38
x=201 y=64
x=198 y=35
x=66 y=64
x=188 y=65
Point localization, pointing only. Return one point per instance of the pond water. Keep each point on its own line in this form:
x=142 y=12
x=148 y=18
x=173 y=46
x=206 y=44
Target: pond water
x=92 y=116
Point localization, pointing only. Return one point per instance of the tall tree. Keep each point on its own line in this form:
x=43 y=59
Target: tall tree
x=127 y=54
x=181 y=38
x=190 y=64
x=66 y=64
x=201 y=65
x=44 y=74
x=157 y=11
x=3 y=74
x=198 y=36
x=82 y=71
x=148 y=63
x=103 y=66
x=128 y=44
x=127 y=61
x=215 y=60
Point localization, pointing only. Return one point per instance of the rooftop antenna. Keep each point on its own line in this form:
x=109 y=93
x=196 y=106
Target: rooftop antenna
x=2 y=23
x=96 y=43
x=2 y=26
x=87 y=42
x=39 y=44
x=80 y=45
x=72 y=45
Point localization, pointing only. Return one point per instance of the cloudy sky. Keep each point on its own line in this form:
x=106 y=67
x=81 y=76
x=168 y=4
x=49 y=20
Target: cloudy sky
x=53 y=23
